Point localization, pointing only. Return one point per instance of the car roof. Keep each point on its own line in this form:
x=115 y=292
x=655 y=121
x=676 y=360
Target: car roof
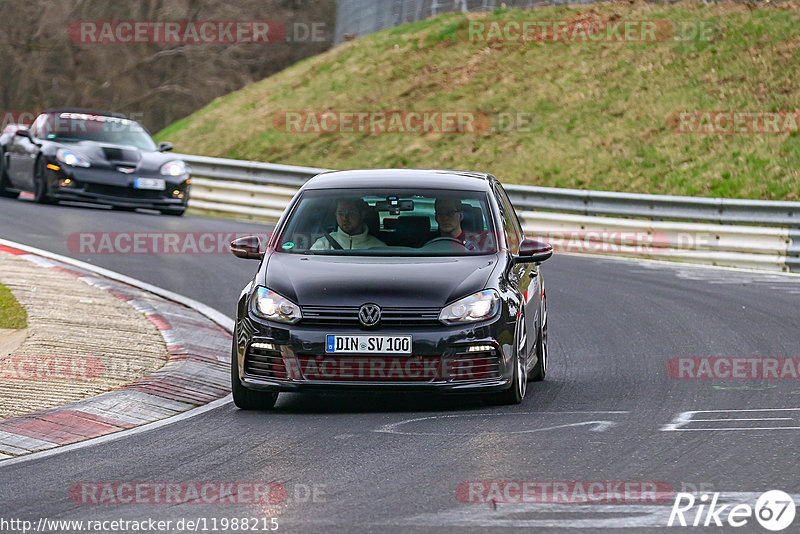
x=86 y=111
x=405 y=178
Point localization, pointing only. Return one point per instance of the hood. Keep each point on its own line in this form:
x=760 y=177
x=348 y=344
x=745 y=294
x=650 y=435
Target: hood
x=110 y=156
x=319 y=280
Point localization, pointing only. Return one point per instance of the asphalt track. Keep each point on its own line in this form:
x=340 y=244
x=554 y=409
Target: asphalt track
x=394 y=462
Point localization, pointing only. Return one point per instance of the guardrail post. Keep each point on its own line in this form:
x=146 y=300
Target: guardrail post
x=793 y=251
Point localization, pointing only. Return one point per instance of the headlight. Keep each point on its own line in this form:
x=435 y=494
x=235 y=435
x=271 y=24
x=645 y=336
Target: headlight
x=174 y=168
x=71 y=158
x=272 y=306
x=477 y=307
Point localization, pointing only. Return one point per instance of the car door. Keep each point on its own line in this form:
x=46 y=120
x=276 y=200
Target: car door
x=22 y=155
x=524 y=276
x=12 y=159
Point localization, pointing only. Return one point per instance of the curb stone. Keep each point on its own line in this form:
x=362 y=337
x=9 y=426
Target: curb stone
x=196 y=373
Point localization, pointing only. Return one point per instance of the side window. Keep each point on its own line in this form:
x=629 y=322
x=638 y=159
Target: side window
x=510 y=224
x=39 y=128
x=514 y=219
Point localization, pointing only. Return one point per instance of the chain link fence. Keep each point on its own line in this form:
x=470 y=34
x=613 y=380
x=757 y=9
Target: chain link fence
x=356 y=18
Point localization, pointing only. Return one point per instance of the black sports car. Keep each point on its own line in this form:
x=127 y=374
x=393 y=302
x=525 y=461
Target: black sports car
x=392 y=279
x=92 y=156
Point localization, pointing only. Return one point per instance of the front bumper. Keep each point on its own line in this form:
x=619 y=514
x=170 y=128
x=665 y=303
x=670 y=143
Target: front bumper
x=293 y=358
x=103 y=186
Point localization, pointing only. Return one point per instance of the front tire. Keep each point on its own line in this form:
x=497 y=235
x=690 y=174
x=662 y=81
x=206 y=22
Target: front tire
x=247 y=399
x=4 y=180
x=174 y=213
x=519 y=380
x=40 y=195
x=539 y=370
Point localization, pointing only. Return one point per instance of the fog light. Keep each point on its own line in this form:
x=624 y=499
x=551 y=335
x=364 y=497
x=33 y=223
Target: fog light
x=65 y=183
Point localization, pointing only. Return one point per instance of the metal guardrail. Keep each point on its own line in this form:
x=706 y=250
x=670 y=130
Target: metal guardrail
x=732 y=232
x=660 y=207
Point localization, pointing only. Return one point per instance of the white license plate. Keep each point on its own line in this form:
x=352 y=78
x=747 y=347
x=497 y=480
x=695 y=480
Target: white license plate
x=335 y=344
x=157 y=184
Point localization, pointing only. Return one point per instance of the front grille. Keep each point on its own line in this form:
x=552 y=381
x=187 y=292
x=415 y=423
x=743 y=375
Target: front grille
x=348 y=316
x=123 y=192
x=264 y=363
x=466 y=365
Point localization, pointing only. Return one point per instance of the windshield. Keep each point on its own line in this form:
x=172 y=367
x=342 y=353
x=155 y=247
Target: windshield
x=389 y=222
x=98 y=128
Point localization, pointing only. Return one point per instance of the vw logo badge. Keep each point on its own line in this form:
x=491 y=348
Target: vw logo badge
x=369 y=314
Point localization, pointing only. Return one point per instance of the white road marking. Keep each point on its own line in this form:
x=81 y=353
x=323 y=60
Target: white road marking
x=598 y=426
x=118 y=435
x=685 y=419
x=688 y=268
x=222 y=320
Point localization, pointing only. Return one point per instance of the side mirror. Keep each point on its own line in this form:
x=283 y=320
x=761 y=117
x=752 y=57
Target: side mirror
x=24 y=132
x=533 y=251
x=165 y=147
x=248 y=247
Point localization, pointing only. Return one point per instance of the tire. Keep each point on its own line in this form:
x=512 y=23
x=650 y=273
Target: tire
x=40 y=195
x=4 y=180
x=539 y=371
x=247 y=399
x=174 y=213
x=516 y=392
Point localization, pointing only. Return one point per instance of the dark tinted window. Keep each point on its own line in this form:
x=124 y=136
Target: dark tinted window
x=390 y=222
x=98 y=128
x=510 y=221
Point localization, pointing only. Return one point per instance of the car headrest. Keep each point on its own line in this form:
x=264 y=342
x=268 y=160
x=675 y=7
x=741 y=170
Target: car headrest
x=473 y=218
x=372 y=220
x=413 y=224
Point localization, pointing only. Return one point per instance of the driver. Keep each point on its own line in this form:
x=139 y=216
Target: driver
x=449 y=214
x=352 y=232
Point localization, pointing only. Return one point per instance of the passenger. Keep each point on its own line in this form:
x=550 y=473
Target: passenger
x=352 y=232
x=448 y=214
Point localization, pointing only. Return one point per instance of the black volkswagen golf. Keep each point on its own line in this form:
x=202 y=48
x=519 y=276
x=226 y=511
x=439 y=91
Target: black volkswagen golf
x=393 y=280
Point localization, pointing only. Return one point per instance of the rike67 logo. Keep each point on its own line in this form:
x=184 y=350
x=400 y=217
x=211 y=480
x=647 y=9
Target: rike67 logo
x=774 y=510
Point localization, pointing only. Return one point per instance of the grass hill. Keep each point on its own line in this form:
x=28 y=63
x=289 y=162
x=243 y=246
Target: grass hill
x=588 y=114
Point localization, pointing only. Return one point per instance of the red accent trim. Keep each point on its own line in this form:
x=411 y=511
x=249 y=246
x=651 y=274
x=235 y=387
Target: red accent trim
x=14 y=251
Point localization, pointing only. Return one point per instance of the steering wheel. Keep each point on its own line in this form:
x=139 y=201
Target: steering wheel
x=443 y=238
